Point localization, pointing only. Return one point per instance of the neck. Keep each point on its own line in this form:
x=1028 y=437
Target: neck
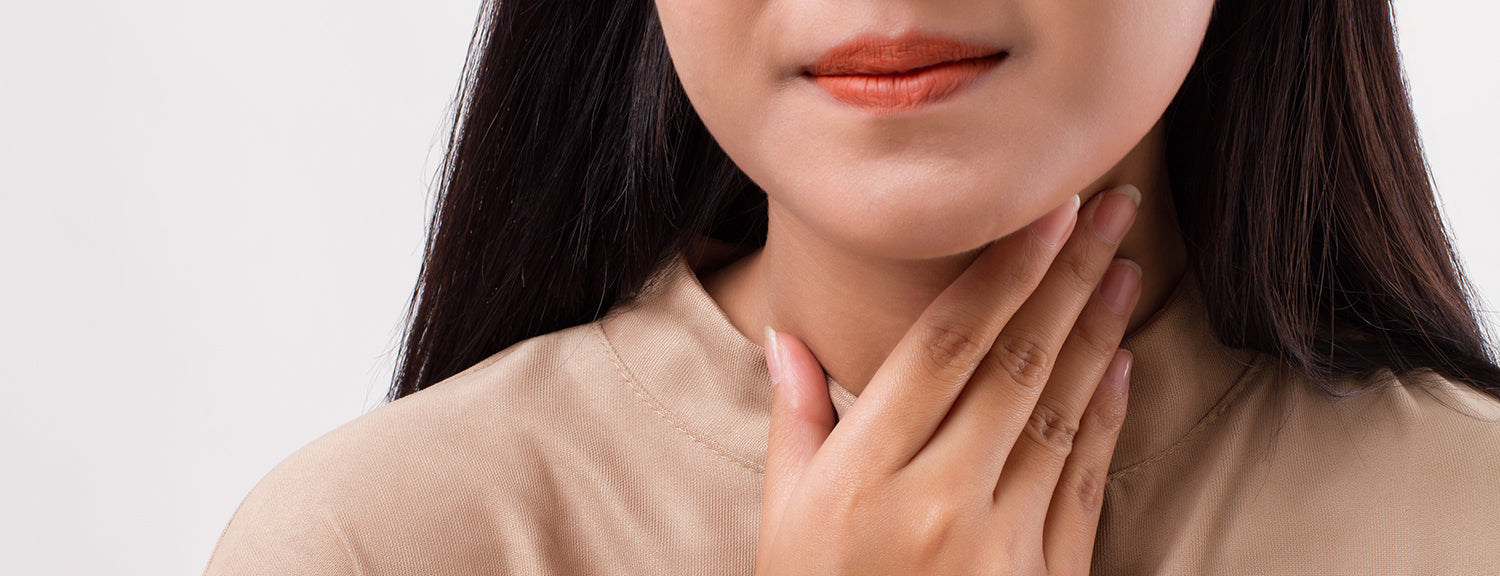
x=851 y=309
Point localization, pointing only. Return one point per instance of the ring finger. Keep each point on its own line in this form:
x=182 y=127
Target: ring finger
x=982 y=427
x=1033 y=467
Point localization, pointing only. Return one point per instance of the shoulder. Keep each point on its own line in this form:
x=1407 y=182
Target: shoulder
x=1419 y=410
x=1396 y=476
x=1446 y=432
x=1403 y=452
x=1421 y=423
x=415 y=469
x=494 y=407
x=1416 y=434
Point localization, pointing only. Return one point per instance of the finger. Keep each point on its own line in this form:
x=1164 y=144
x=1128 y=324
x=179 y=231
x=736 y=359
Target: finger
x=1032 y=469
x=1073 y=517
x=912 y=391
x=982 y=428
x=802 y=416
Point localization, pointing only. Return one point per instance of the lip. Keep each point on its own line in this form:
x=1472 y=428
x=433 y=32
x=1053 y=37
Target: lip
x=883 y=75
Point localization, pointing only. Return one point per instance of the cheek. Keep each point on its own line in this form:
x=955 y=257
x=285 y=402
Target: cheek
x=1112 y=67
x=713 y=45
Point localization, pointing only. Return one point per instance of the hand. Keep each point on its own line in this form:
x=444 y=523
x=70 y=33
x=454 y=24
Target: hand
x=982 y=443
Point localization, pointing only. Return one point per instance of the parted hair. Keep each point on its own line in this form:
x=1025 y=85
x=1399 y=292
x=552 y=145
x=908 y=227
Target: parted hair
x=576 y=168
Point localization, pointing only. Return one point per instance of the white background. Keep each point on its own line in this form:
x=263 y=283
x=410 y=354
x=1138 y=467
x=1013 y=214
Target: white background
x=211 y=216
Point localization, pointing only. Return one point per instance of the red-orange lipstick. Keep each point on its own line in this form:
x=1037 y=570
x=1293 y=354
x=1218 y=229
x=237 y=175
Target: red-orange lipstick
x=883 y=75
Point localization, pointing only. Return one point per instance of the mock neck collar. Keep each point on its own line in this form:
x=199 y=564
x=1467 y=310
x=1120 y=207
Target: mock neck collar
x=682 y=350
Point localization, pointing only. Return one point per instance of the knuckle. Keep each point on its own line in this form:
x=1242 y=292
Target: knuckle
x=952 y=347
x=1051 y=430
x=1085 y=485
x=1022 y=358
x=1095 y=339
x=1077 y=270
x=938 y=520
x=1032 y=267
x=1107 y=413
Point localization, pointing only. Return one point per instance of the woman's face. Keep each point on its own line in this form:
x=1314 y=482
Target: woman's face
x=903 y=162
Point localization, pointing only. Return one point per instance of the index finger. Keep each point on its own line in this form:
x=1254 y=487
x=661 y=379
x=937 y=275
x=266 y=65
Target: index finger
x=912 y=391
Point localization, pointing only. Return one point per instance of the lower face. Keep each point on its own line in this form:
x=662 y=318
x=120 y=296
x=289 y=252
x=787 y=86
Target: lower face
x=943 y=158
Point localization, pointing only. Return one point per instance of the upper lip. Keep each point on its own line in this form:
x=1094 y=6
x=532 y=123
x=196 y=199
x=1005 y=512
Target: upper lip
x=875 y=55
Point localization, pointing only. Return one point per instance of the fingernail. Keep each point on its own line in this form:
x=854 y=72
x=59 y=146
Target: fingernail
x=1115 y=212
x=773 y=356
x=1054 y=226
x=1120 y=285
x=1117 y=376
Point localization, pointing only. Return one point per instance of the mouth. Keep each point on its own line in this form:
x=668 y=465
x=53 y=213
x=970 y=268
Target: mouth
x=884 y=75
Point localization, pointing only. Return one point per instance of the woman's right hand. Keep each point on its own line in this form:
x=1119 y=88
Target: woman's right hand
x=982 y=443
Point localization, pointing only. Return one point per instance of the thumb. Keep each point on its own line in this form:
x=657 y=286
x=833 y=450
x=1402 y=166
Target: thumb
x=802 y=417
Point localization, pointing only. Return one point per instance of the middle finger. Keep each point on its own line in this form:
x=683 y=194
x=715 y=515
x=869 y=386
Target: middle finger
x=982 y=427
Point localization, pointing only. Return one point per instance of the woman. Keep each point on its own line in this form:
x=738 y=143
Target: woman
x=972 y=225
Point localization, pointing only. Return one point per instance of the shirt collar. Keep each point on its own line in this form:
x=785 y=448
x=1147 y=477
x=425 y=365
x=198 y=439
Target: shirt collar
x=687 y=361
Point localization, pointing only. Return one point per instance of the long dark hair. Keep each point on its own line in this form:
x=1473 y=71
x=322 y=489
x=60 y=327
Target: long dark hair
x=577 y=168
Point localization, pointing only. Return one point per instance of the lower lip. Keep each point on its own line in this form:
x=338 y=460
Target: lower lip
x=887 y=93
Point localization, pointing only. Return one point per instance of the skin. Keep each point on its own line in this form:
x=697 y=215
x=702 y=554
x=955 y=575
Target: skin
x=981 y=444
x=891 y=236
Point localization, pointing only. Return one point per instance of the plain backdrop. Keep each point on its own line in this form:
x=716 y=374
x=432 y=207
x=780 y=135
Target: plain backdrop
x=211 y=217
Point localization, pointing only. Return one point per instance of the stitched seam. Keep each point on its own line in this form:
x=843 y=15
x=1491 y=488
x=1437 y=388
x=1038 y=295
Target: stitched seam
x=1230 y=396
x=666 y=415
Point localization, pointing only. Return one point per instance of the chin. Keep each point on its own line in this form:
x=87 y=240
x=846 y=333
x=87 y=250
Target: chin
x=930 y=219
x=932 y=198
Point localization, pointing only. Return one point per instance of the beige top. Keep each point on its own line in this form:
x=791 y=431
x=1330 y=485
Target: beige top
x=636 y=445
